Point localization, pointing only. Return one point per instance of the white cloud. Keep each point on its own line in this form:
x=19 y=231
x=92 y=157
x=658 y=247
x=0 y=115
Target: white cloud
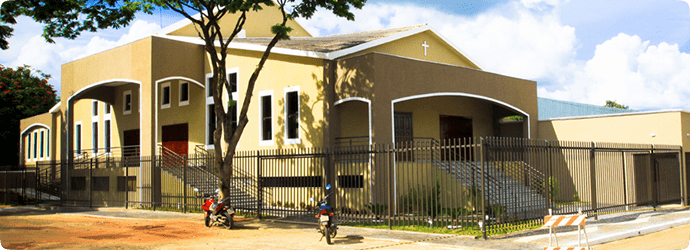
x=514 y=39
x=28 y=47
x=632 y=72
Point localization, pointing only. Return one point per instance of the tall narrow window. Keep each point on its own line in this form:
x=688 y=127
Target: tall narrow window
x=106 y=135
x=211 y=123
x=94 y=108
x=28 y=147
x=165 y=95
x=40 y=155
x=48 y=144
x=266 y=107
x=94 y=136
x=127 y=102
x=35 y=143
x=292 y=115
x=232 y=81
x=209 y=85
x=77 y=138
x=184 y=93
x=106 y=108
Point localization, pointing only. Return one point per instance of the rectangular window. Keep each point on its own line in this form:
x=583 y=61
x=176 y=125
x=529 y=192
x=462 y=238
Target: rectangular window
x=40 y=155
x=293 y=181
x=48 y=144
x=77 y=138
x=28 y=147
x=106 y=108
x=266 y=107
x=126 y=183
x=350 y=181
x=94 y=108
x=78 y=183
x=100 y=184
x=165 y=96
x=35 y=143
x=106 y=136
x=211 y=123
x=232 y=81
x=127 y=102
x=209 y=86
x=184 y=93
x=292 y=115
x=94 y=136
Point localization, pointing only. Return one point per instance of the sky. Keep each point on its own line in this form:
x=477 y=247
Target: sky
x=636 y=52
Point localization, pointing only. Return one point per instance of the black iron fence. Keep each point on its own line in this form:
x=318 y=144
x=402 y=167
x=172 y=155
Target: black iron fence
x=482 y=185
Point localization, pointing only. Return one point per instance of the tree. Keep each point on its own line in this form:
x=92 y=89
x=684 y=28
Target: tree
x=65 y=21
x=68 y=18
x=22 y=95
x=614 y=104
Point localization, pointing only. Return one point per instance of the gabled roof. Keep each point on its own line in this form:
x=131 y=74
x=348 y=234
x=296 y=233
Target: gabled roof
x=327 y=44
x=330 y=47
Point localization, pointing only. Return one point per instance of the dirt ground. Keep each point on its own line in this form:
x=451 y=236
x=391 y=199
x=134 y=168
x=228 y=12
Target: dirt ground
x=39 y=229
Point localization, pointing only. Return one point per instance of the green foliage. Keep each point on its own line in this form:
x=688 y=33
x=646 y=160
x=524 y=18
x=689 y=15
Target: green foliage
x=69 y=18
x=424 y=200
x=24 y=92
x=576 y=197
x=377 y=209
x=614 y=104
x=552 y=188
x=495 y=211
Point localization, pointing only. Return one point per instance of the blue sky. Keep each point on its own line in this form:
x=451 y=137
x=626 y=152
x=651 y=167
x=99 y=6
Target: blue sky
x=635 y=52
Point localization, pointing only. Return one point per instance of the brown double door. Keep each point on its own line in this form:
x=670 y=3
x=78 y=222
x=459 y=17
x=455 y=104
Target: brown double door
x=176 y=138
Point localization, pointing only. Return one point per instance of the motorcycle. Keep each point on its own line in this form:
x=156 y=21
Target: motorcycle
x=218 y=212
x=327 y=227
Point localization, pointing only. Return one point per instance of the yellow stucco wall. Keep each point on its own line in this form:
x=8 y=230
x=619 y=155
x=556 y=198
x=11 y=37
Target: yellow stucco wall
x=179 y=114
x=633 y=128
x=279 y=73
x=33 y=127
x=411 y=47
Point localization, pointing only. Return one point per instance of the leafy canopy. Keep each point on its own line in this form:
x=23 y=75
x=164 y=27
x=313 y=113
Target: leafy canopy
x=614 y=104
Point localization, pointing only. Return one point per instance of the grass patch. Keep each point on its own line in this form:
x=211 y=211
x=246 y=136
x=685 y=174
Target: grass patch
x=441 y=227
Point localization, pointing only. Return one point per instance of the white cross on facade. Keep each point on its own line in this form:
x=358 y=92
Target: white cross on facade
x=425 y=47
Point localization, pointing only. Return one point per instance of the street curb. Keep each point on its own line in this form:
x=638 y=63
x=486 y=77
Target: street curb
x=637 y=232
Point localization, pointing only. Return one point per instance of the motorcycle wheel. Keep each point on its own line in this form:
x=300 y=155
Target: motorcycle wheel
x=334 y=232
x=327 y=232
x=228 y=219
x=207 y=220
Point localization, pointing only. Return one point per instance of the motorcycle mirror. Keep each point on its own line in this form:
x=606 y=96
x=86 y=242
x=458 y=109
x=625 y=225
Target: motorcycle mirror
x=328 y=186
x=311 y=199
x=217 y=191
x=196 y=190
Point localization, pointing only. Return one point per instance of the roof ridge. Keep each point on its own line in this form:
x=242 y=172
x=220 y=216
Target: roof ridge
x=377 y=31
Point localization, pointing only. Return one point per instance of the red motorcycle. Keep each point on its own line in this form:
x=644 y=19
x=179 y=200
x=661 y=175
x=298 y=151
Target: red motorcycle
x=218 y=212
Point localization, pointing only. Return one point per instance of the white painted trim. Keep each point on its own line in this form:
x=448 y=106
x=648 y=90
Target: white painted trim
x=529 y=128
x=182 y=78
x=163 y=86
x=263 y=142
x=209 y=101
x=359 y=99
x=180 y=102
x=616 y=114
x=22 y=134
x=297 y=140
x=107 y=116
x=81 y=135
x=124 y=102
x=55 y=108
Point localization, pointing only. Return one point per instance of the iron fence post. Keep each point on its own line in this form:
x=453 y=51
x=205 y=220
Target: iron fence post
x=654 y=185
x=90 y=182
x=683 y=182
x=483 y=186
x=184 y=184
x=259 y=189
x=391 y=172
x=6 y=185
x=126 y=185
x=593 y=180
